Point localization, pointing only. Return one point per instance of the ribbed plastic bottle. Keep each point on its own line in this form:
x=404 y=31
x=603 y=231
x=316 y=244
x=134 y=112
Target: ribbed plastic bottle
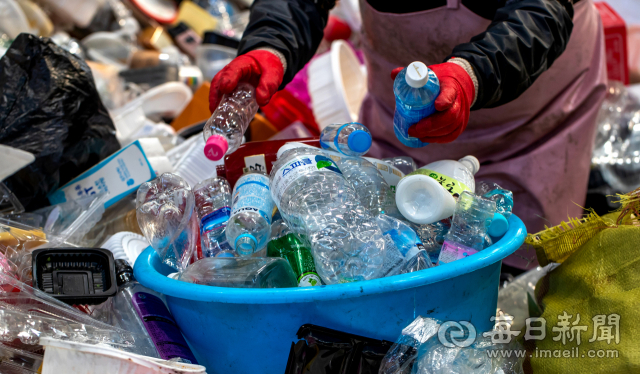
x=429 y=194
x=415 y=88
x=224 y=130
x=249 y=226
x=469 y=226
x=351 y=139
x=213 y=205
x=370 y=186
x=316 y=200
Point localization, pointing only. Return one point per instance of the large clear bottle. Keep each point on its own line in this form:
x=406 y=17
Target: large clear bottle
x=469 y=226
x=286 y=244
x=224 y=130
x=415 y=88
x=351 y=139
x=370 y=186
x=141 y=311
x=249 y=226
x=241 y=272
x=213 y=205
x=316 y=200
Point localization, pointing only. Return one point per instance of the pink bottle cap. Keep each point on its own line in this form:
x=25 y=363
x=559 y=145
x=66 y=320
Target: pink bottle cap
x=216 y=147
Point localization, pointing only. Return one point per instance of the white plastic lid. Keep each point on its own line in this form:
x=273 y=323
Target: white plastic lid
x=417 y=74
x=422 y=200
x=470 y=163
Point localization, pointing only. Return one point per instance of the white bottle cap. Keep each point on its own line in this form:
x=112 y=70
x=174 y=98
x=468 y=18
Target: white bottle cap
x=417 y=74
x=422 y=200
x=470 y=163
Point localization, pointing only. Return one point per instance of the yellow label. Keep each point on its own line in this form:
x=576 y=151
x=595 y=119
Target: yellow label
x=454 y=187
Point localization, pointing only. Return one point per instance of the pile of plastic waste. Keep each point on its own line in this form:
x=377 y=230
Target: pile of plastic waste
x=108 y=147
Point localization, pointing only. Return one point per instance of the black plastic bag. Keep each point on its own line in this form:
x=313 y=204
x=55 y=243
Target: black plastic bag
x=49 y=106
x=327 y=351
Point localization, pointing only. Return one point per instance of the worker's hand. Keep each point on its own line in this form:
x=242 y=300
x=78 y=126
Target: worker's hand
x=453 y=105
x=260 y=68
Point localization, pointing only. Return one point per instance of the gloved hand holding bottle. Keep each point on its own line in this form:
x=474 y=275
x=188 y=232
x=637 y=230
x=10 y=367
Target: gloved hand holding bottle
x=452 y=105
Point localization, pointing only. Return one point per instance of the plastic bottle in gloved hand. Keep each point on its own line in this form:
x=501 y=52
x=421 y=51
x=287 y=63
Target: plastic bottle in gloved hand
x=416 y=89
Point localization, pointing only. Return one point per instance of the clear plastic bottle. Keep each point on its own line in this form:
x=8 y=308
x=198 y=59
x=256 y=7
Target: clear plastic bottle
x=429 y=194
x=241 y=272
x=405 y=164
x=141 y=311
x=224 y=130
x=420 y=261
x=213 y=205
x=471 y=220
x=370 y=186
x=415 y=88
x=249 y=226
x=401 y=244
x=432 y=237
x=316 y=200
x=286 y=244
x=166 y=215
x=351 y=139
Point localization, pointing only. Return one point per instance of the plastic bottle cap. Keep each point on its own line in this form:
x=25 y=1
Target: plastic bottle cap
x=499 y=226
x=417 y=74
x=422 y=200
x=359 y=141
x=216 y=147
x=246 y=244
x=470 y=163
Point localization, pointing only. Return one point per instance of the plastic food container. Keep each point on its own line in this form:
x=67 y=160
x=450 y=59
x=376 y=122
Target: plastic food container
x=337 y=85
x=250 y=330
x=71 y=357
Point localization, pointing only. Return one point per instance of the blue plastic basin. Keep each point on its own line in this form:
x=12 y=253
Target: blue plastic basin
x=234 y=330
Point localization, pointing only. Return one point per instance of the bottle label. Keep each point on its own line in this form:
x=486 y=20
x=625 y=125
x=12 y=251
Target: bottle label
x=251 y=194
x=452 y=251
x=393 y=258
x=162 y=328
x=215 y=220
x=309 y=280
x=298 y=167
x=454 y=187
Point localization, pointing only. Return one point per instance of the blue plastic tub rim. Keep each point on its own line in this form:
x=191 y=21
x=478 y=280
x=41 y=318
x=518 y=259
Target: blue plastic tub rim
x=146 y=271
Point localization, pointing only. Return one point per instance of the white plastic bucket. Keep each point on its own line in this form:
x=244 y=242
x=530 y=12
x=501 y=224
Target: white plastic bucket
x=78 y=358
x=337 y=85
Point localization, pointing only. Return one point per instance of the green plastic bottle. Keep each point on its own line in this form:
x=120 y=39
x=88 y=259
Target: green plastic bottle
x=288 y=245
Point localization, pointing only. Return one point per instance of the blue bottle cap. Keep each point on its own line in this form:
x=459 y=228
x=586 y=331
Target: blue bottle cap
x=499 y=226
x=246 y=244
x=359 y=141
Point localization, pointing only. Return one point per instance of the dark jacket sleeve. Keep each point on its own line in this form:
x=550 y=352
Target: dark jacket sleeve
x=293 y=27
x=523 y=40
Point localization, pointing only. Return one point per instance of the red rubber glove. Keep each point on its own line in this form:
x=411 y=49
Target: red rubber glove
x=260 y=68
x=453 y=105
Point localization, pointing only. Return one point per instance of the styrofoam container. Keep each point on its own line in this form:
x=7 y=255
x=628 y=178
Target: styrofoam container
x=79 y=358
x=337 y=85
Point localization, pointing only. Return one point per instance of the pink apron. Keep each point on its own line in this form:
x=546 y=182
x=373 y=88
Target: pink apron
x=538 y=146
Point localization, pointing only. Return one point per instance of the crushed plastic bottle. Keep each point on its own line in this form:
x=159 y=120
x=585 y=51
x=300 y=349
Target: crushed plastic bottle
x=241 y=272
x=432 y=237
x=370 y=186
x=166 y=215
x=401 y=247
x=469 y=226
x=213 y=205
x=405 y=164
x=316 y=200
x=288 y=245
x=225 y=129
x=351 y=139
x=429 y=194
x=502 y=197
x=415 y=88
x=250 y=222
